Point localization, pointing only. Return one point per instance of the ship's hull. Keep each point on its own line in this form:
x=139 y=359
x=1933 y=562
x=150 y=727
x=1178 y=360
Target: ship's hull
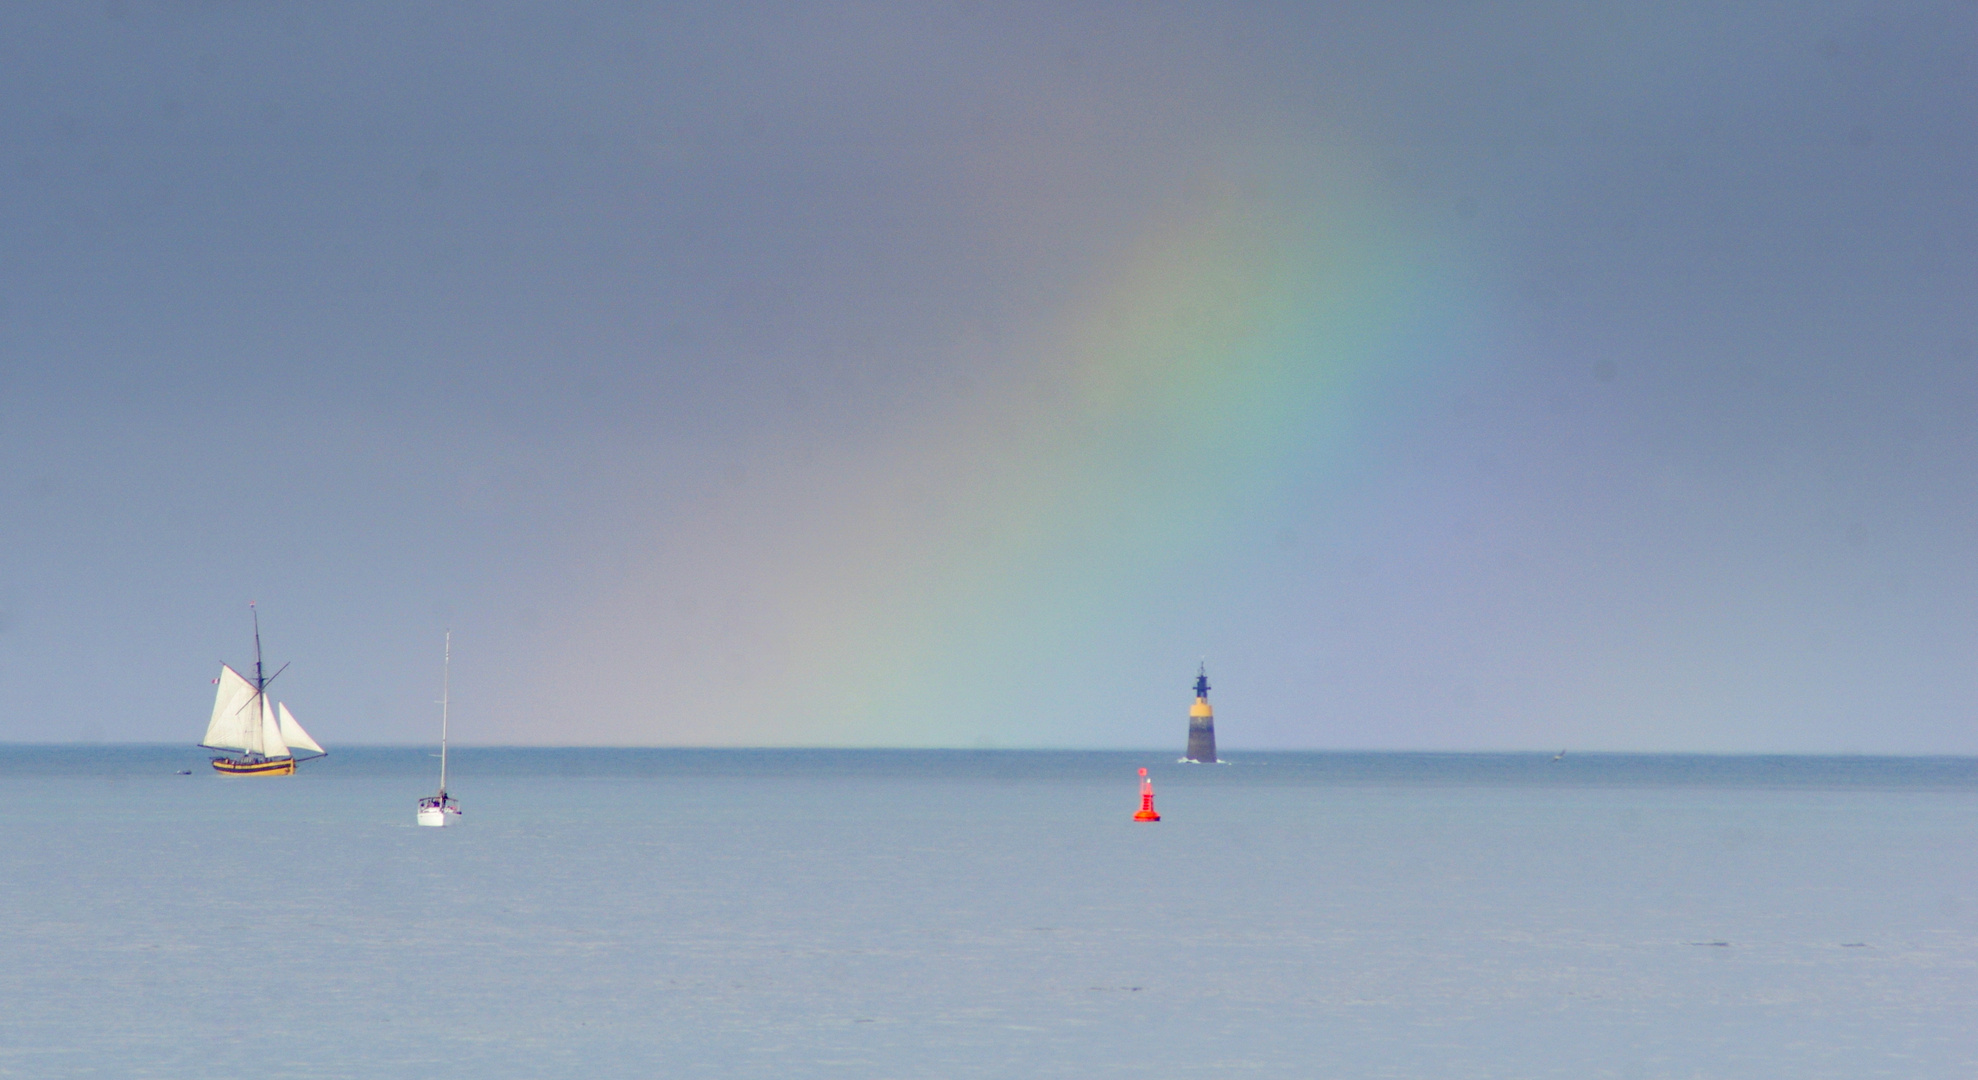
x=274 y=767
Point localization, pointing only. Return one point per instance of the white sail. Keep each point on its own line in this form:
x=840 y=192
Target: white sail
x=235 y=725
x=292 y=732
x=271 y=731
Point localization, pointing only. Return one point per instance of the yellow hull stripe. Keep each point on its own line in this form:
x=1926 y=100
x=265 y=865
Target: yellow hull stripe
x=259 y=768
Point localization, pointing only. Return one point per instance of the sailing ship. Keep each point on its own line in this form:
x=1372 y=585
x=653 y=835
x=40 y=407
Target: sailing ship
x=434 y=809
x=263 y=733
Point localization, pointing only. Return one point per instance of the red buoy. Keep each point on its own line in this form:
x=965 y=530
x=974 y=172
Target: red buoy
x=1146 y=800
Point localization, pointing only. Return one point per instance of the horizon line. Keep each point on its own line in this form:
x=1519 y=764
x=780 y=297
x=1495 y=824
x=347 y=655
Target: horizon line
x=1569 y=752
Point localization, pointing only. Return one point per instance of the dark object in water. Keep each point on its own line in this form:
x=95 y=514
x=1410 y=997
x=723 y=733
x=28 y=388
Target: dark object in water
x=185 y=772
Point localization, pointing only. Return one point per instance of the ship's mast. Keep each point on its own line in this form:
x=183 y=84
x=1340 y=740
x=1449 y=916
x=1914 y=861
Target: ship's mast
x=260 y=684
x=446 y=686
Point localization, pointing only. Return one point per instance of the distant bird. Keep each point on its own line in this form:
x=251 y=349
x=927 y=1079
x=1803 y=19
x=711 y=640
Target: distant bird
x=1559 y=755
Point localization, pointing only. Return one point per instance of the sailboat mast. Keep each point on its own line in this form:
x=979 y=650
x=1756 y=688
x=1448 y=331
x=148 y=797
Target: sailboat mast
x=260 y=684
x=446 y=687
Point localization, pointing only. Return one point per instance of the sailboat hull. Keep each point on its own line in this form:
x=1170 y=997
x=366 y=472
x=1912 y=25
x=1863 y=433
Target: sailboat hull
x=276 y=767
x=433 y=813
x=435 y=809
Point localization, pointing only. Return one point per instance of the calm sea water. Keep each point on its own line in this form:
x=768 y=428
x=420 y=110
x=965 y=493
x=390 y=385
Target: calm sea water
x=904 y=914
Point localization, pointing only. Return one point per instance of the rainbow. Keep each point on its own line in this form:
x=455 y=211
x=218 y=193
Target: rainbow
x=1226 y=363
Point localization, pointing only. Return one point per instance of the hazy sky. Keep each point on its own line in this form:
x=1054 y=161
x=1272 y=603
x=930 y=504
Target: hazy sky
x=1447 y=375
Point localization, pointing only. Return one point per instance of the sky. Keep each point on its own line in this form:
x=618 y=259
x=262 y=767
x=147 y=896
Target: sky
x=1443 y=376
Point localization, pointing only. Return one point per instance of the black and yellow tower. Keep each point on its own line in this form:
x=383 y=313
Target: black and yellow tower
x=1201 y=722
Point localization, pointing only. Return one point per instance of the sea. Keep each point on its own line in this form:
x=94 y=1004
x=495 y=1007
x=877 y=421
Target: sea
x=847 y=913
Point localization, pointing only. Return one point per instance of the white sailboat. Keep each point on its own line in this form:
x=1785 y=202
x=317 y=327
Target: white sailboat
x=265 y=734
x=435 y=809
